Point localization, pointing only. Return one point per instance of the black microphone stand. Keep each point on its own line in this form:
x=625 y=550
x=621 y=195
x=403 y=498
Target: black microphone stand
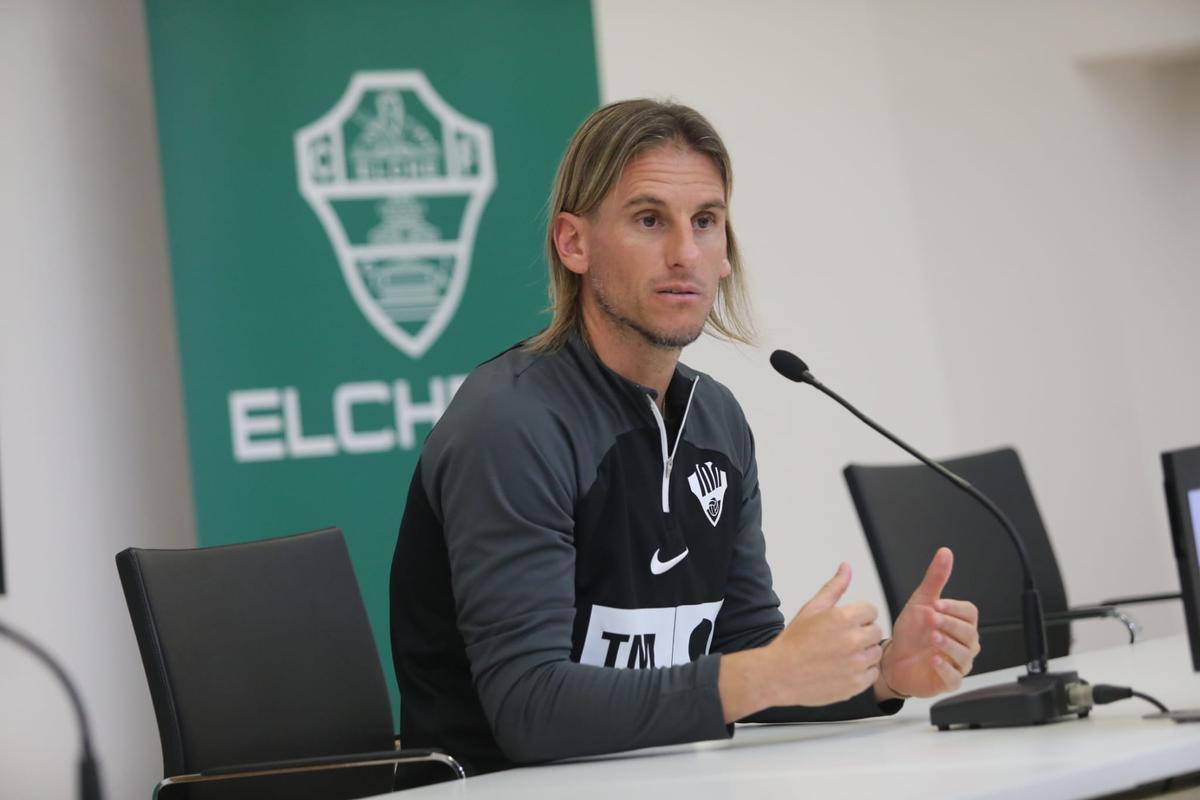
x=1037 y=697
x=89 y=772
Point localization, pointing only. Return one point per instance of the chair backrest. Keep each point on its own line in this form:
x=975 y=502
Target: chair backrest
x=260 y=652
x=908 y=511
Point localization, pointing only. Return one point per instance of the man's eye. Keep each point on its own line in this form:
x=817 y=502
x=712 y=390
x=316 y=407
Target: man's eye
x=705 y=221
x=647 y=220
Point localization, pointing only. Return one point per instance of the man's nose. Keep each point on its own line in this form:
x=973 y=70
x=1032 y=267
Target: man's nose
x=683 y=250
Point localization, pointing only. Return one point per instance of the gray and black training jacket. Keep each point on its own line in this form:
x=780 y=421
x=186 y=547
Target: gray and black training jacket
x=571 y=562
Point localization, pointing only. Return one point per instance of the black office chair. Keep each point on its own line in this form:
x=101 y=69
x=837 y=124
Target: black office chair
x=908 y=511
x=263 y=671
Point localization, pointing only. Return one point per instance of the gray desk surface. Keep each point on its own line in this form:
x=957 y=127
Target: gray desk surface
x=904 y=756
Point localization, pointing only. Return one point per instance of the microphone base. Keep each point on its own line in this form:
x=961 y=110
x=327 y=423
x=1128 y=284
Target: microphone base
x=1033 y=699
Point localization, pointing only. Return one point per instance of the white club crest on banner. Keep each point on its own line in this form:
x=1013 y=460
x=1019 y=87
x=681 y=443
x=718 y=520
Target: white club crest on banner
x=399 y=180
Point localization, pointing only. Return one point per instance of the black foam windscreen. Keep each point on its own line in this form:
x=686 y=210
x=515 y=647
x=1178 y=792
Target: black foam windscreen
x=789 y=365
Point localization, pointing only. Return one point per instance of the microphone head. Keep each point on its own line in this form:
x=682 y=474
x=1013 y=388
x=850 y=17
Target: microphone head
x=790 y=366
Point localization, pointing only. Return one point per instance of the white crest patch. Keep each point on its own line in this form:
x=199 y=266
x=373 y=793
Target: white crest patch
x=399 y=180
x=708 y=484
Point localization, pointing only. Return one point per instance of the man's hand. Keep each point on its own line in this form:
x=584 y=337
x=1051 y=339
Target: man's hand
x=827 y=653
x=934 y=641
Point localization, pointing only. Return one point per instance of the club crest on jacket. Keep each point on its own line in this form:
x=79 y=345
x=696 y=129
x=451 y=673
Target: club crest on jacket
x=708 y=484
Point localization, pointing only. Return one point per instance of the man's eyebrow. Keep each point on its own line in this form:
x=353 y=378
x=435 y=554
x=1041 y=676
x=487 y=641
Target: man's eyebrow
x=653 y=200
x=644 y=200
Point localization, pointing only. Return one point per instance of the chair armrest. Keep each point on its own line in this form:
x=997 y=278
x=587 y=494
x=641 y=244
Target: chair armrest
x=1080 y=612
x=1063 y=617
x=1051 y=618
x=315 y=764
x=1136 y=599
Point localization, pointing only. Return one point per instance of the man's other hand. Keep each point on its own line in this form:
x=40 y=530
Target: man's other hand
x=934 y=641
x=826 y=654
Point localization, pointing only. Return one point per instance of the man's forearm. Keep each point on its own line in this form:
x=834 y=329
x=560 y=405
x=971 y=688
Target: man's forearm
x=746 y=687
x=883 y=692
x=744 y=684
x=563 y=709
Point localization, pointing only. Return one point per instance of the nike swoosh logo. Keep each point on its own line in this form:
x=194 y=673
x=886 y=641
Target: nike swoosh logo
x=659 y=567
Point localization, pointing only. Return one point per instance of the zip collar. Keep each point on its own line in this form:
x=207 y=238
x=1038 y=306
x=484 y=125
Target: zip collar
x=669 y=458
x=682 y=373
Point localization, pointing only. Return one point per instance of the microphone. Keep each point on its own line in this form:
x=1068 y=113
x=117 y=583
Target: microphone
x=1037 y=697
x=89 y=770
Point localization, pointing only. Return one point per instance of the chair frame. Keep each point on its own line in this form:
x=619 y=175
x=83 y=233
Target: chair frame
x=294 y=766
x=134 y=586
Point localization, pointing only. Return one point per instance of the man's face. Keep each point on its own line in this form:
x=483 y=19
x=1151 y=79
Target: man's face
x=654 y=251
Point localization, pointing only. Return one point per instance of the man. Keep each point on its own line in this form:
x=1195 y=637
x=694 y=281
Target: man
x=581 y=566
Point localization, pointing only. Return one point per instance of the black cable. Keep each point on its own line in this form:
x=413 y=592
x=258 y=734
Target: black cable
x=1103 y=693
x=1150 y=699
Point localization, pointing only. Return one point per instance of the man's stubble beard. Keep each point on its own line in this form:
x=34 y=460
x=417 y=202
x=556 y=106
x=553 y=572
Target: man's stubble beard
x=658 y=339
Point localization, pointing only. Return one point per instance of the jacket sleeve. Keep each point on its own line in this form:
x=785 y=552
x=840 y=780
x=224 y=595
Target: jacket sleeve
x=504 y=488
x=750 y=616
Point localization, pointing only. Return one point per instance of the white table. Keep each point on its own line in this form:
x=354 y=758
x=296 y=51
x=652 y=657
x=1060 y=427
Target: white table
x=904 y=756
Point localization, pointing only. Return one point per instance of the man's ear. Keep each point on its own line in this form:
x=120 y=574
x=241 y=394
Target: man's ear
x=570 y=240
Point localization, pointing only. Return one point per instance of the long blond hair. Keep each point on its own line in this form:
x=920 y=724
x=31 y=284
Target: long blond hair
x=595 y=159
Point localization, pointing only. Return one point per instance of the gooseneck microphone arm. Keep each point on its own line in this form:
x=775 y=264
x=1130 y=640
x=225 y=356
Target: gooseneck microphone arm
x=89 y=773
x=790 y=366
x=959 y=481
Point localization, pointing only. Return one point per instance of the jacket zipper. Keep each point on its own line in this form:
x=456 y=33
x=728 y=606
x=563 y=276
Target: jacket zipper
x=669 y=458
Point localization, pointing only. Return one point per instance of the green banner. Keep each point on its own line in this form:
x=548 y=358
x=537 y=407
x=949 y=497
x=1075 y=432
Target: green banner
x=356 y=198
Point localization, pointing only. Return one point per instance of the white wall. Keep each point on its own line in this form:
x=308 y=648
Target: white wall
x=91 y=426
x=1060 y=266
x=973 y=218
